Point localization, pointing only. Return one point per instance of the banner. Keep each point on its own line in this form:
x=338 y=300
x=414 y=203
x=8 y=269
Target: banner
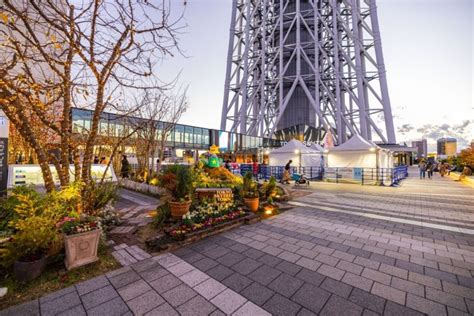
x=31 y=174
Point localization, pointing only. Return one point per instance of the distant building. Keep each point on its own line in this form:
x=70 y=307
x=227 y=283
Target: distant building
x=422 y=148
x=447 y=146
x=472 y=144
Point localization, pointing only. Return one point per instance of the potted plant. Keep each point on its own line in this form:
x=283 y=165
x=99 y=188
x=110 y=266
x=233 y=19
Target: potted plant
x=178 y=181
x=81 y=240
x=29 y=249
x=33 y=232
x=250 y=192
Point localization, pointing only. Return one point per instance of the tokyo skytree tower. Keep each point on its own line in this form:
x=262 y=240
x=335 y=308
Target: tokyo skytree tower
x=299 y=68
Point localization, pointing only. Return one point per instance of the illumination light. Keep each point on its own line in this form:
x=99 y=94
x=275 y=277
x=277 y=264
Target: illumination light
x=268 y=212
x=326 y=151
x=372 y=149
x=267 y=152
x=297 y=151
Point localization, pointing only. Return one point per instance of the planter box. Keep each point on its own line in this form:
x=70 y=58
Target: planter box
x=165 y=242
x=81 y=249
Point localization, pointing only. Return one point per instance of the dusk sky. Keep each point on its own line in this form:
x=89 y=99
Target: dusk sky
x=428 y=48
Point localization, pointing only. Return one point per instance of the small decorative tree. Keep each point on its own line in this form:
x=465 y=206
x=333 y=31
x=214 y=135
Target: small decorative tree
x=178 y=180
x=250 y=192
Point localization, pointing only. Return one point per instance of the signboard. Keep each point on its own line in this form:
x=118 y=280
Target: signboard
x=3 y=165
x=31 y=174
x=3 y=153
x=357 y=173
x=219 y=195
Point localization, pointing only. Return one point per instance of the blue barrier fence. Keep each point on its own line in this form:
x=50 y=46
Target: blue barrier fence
x=364 y=176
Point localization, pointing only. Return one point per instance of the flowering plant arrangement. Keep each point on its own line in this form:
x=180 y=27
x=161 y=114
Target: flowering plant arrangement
x=73 y=225
x=190 y=221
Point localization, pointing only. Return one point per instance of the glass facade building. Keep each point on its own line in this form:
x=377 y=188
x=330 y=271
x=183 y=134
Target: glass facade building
x=184 y=137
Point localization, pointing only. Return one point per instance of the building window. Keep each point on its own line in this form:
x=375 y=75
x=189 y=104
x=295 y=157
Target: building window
x=188 y=135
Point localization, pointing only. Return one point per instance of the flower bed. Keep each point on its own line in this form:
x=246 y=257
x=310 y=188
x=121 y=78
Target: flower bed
x=179 y=232
x=166 y=242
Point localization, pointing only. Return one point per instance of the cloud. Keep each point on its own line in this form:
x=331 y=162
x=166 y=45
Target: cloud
x=405 y=128
x=433 y=132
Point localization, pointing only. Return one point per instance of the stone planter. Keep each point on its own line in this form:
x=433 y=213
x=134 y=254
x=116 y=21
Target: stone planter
x=27 y=271
x=141 y=187
x=252 y=204
x=178 y=209
x=81 y=249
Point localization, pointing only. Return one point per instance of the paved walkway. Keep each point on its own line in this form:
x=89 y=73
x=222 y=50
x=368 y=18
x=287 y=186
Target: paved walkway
x=134 y=208
x=343 y=250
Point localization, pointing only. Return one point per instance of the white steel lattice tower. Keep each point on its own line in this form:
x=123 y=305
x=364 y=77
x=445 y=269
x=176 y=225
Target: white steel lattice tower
x=312 y=65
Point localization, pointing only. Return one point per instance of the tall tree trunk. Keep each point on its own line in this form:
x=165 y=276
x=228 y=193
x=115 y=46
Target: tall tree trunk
x=91 y=140
x=20 y=120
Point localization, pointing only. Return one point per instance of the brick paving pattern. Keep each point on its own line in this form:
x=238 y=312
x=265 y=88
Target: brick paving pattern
x=342 y=250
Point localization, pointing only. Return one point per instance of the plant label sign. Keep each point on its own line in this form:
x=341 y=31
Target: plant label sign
x=219 y=195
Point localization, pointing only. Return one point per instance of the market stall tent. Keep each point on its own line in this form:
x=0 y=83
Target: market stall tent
x=300 y=154
x=317 y=147
x=359 y=153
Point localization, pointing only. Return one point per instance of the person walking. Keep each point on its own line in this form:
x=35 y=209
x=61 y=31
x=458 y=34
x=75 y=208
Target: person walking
x=442 y=169
x=125 y=167
x=429 y=169
x=227 y=165
x=255 y=170
x=422 y=167
x=286 y=173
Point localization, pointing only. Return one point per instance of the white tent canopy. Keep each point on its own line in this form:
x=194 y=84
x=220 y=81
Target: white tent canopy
x=317 y=147
x=359 y=153
x=296 y=151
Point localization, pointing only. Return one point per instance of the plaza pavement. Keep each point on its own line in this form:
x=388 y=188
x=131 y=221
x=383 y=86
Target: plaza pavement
x=342 y=250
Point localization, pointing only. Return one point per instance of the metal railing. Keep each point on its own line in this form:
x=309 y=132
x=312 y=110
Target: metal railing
x=363 y=176
x=265 y=172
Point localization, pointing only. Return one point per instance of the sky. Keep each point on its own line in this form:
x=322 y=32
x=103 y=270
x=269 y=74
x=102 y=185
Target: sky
x=428 y=47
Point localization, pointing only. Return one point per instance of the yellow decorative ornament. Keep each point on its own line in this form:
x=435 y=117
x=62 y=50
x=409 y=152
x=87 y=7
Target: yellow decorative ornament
x=4 y=17
x=214 y=150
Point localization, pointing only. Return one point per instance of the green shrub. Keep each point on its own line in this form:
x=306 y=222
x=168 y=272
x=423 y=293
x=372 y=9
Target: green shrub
x=268 y=189
x=8 y=204
x=163 y=213
x=249 y=187
x=178 y=180
x=102 y=194
x=34 y=219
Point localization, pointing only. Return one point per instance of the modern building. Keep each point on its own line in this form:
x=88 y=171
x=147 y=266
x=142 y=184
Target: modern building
x=402 y=154
x=447 y=146
x=184 y=143
x=422 y=148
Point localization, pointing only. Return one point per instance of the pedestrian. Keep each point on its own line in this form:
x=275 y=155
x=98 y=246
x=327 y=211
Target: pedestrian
x=442 y=169
x=255 y=169
x=125 y=167
x=429 y=169
x=286 y=173
x=422 y=167
x=96 y=160
x=227 y=165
